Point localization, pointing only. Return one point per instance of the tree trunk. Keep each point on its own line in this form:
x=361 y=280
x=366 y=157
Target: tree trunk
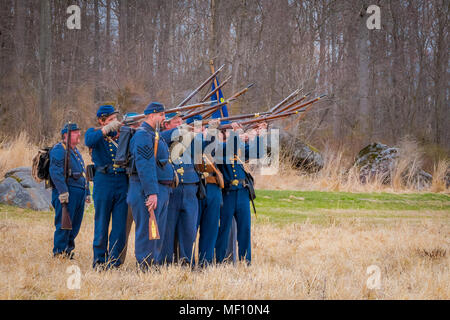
x=363 y=76
x=45 y=58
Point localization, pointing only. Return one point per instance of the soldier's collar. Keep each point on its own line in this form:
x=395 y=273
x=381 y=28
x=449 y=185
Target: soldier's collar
x=148 y=127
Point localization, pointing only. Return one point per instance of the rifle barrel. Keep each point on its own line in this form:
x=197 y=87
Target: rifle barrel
x=292 y=104
x=297 y=107
x=233 y=97
x=201 y=86
x=291 y=112
x=216 y=89
x=211 y=108
x=289 y=97
x=237 y=117
x=189 y=107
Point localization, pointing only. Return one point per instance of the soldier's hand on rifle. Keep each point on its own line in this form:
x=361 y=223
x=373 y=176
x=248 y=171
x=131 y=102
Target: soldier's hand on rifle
x=251 y=134
x=261 y=127
x=88 y=199
x=152 y=202
x=64 y=197
x=236 y=126
x=112 y=126
x=214 y=124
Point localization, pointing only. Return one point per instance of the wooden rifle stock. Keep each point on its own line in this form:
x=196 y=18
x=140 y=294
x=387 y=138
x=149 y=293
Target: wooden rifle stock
x=212 y=108
x=133 y=119
x=237 y=117
x=189 y=107
x=153 y=230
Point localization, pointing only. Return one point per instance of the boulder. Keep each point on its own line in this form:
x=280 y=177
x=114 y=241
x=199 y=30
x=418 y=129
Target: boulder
x=23 y=176
x=303 y=156
x=380 y=160
x=21 y=190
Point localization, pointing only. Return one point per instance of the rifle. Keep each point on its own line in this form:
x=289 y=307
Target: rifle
x=254 y=115
x=126 y=121
x=66 y=222
x=262 y=119
x=233 y=97
x=210 y=109
x=237 y=117
x=189 y=107
x=215 y=90
x=200 y=87
x=285 y=108
x=289 y=97
x=297 y=107
x=153 y=231
x=294 y=110
x=259 y=114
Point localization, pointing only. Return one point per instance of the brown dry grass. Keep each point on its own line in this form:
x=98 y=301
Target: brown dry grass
x=338 y=174
x=17 y=152
x=297 y=261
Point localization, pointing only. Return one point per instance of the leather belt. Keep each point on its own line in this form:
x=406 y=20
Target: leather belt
x=235 y=183
x=165 y=182
x=109 y=168
x=211 y=179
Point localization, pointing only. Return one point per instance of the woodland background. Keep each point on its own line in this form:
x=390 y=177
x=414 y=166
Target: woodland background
x=382 y=84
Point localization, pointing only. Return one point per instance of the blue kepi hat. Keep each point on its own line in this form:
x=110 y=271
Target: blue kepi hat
x=73 y=127
x=154 y=107
x=197 y=117
x=170 y=116
x=105 y=110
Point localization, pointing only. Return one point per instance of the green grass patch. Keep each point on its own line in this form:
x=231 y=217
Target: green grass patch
x=283 y=207
x=323 y=207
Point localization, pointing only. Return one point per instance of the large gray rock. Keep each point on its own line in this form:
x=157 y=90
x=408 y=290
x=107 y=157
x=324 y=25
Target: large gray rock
x=378 y=160
x=302 y=155
x=21 y=190
x=23 y=176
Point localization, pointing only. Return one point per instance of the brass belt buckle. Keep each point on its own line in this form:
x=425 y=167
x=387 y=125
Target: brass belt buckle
x=235 y=182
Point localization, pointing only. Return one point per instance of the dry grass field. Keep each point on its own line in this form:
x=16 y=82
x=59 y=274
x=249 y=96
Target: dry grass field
x=305 y=245
x=310 y=251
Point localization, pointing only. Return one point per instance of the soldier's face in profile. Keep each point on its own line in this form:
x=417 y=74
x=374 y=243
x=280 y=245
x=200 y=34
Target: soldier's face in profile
x=75 y=137
x=173 y=123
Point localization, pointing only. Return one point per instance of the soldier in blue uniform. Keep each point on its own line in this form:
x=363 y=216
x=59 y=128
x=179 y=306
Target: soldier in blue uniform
x=110 y=190
x=150 y=185
x=123 y=254
x=182 y=216
x=74 y=191
x=236 y=201
x=209 y=207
